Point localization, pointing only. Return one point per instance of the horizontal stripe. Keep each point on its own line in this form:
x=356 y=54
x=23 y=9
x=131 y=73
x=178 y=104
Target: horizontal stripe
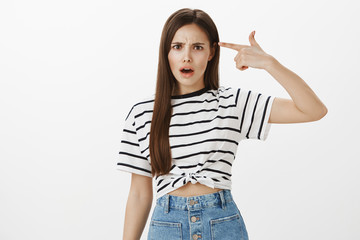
x=217 y=171
x=130 y=143
x=140 y=114
x=132 y=155
x=203 y=152
x=203 y=121
x=194 y=112
x=189 y=123
x=194 y=102
x=161 y=188
x=203 y=110
x=190 y=166
x=178 y=179
x=220 y=160
x=134 y=167
x=207 y=140
x=200 y=153
x=205 y=130
x=160 y=182
x=224 y=161
x=129 y=131
x=142 y=126
x=138 y=104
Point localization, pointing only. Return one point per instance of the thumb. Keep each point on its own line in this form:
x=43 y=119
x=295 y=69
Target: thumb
x=252 y=39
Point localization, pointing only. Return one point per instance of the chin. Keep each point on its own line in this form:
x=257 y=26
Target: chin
x=187 y=81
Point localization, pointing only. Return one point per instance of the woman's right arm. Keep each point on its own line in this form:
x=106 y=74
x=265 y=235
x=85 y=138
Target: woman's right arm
x=138 y=206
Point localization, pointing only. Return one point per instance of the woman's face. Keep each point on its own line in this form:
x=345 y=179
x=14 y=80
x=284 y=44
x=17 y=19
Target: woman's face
x=190 y=49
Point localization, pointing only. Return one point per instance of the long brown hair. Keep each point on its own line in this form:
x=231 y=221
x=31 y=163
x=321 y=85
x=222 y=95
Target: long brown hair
x=159 y=146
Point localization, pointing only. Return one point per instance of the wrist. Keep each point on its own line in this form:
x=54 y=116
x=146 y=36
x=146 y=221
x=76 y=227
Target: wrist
x=270 y=63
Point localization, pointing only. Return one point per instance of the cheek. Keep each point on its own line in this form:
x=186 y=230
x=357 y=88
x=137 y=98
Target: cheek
x=172 y=60
x=202 y=61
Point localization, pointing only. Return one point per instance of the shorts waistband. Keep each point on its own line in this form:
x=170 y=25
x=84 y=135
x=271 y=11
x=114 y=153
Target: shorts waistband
x=219 y=198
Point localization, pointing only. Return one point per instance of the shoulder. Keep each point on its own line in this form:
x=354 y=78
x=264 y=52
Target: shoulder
x=140 y=105
x=225 y=92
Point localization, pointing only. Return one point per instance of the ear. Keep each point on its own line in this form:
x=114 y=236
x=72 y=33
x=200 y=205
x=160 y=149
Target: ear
x=212 y=51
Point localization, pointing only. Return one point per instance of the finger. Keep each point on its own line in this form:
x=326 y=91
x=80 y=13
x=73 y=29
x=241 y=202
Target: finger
x=240 y=64
x=234 y=46
x=236 y=57
x=244 y=68
x=241 y=67
x=252 y=40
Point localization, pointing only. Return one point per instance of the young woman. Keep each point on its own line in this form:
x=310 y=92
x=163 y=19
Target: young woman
x=186 y=134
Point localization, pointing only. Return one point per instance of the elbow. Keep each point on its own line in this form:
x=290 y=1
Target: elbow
x=320 y=114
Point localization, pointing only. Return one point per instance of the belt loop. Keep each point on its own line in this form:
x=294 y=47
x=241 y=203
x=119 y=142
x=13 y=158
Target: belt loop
x=167 y=207
x=222 y=199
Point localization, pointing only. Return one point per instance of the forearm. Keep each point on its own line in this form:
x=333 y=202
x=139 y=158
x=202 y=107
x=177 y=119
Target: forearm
x=302 y=95
x=136 y=215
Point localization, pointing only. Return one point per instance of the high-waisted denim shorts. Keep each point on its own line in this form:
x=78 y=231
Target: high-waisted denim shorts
x=206 y=217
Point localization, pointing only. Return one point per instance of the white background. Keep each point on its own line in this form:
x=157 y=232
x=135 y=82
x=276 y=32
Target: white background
x=71 y=70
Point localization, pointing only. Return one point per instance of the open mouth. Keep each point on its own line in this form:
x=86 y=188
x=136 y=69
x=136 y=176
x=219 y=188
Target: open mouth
x=186 y=70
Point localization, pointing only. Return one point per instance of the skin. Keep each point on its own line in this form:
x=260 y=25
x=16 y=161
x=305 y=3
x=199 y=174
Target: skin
x=190 y=47
x=304 y=106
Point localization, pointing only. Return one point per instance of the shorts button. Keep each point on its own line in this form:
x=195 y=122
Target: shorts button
x=195 y=236
x=193 y=219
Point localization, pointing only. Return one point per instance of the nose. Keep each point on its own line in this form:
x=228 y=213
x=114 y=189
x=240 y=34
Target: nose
x=187 y=55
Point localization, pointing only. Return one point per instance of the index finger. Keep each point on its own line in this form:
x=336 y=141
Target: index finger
x=234 y=46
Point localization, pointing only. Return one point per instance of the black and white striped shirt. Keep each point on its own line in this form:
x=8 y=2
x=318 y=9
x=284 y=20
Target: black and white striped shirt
x=205 y=129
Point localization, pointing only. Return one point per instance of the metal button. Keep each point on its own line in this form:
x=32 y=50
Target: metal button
x=193 y=219
x=195 y=236
x=192 y=202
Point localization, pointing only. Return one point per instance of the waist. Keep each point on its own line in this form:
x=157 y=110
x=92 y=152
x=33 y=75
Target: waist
x=196 y=202
x=190 y=189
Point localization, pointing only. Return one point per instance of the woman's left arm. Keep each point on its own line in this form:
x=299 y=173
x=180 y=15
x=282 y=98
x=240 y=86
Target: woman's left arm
x=304 y=105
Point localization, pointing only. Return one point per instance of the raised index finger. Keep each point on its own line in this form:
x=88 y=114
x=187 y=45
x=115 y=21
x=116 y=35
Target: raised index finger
x=234 y=46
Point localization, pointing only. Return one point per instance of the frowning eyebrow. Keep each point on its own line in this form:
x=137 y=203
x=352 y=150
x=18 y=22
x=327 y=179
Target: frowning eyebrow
x=180 y=43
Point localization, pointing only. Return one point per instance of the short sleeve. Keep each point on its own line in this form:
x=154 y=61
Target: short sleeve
x=254 y=111
x=130 y=156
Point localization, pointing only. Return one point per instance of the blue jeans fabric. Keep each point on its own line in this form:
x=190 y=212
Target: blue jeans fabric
x=206 y=217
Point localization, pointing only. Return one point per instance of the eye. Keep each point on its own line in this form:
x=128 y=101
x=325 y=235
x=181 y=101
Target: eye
x=198 y=47
x=177 y=46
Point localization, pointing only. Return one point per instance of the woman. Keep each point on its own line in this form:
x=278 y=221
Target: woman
x=186 y=134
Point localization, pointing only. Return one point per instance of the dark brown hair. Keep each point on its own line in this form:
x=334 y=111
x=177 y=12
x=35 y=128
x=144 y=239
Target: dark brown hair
x=159 y=146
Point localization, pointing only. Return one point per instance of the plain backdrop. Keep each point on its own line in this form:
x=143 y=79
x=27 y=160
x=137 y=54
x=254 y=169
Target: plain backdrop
x=71 y=70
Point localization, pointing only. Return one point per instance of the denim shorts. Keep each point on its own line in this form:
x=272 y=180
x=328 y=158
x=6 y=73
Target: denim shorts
x=206 y=217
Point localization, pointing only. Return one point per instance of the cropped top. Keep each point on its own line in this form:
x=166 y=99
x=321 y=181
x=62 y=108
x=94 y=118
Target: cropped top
x=206 y=127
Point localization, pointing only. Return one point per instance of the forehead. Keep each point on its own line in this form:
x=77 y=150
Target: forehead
x=190 y=33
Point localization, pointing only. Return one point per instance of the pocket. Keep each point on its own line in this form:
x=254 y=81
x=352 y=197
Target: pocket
x=160 y=230
x=227 y=228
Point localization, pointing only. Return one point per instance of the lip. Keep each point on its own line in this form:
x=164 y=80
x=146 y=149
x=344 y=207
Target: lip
x=186 y=67
x=186 y=75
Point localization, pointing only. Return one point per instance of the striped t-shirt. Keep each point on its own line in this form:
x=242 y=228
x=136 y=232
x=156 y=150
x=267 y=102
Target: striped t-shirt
x=205 y=129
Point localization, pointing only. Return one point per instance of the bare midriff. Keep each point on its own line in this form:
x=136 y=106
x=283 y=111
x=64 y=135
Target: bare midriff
x=190 y=189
